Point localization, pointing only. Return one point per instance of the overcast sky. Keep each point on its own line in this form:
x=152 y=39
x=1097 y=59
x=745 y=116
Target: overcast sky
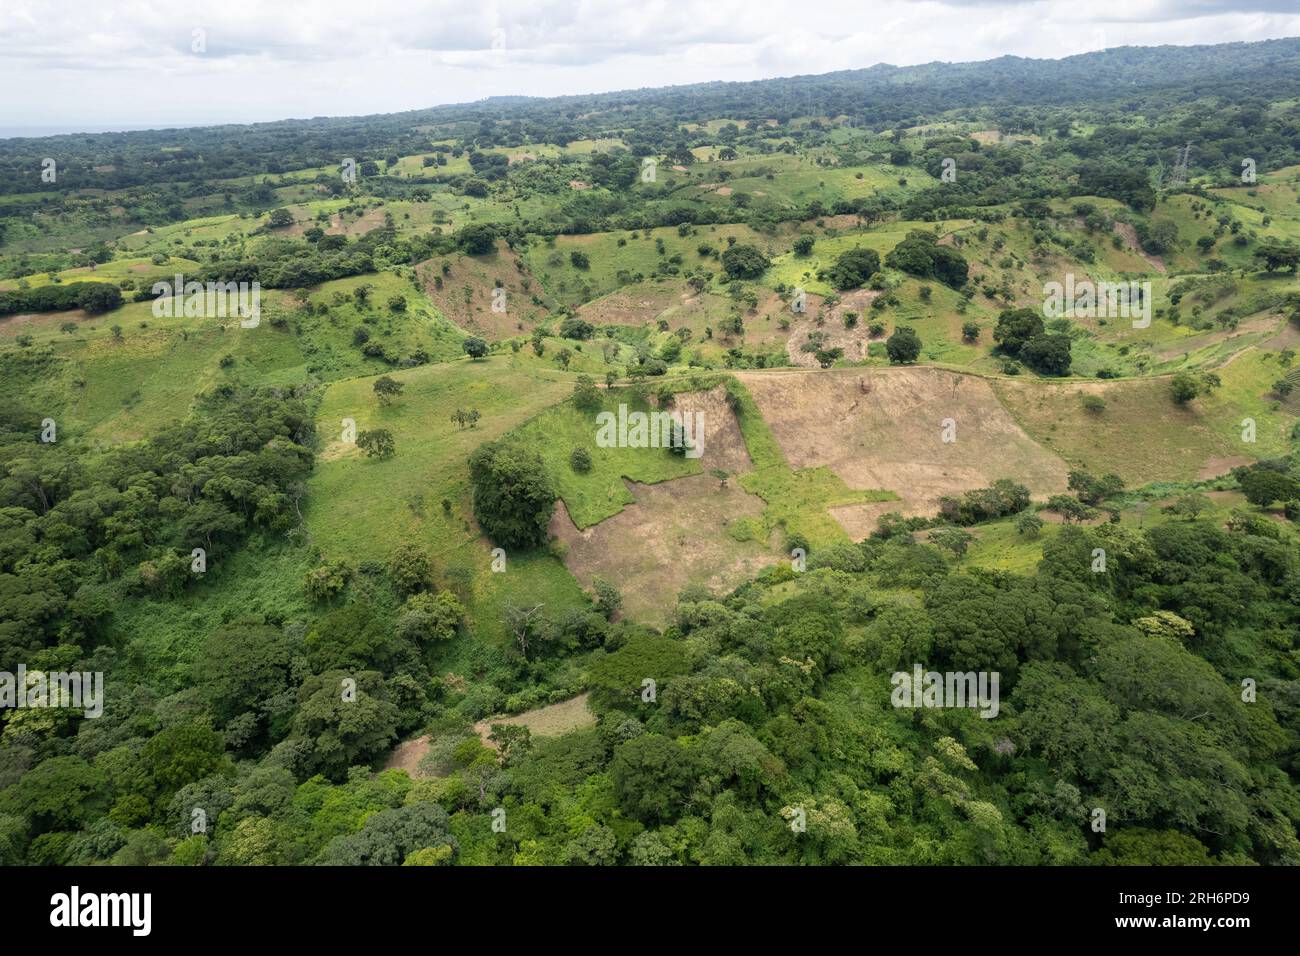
x=74 y=65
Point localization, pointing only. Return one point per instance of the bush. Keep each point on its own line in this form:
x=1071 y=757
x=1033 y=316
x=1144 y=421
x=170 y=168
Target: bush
x=377 y=443
x=410 y=569
x=580 y=460
x=1184 y=387
x=608 y=598
x=427 y=617
x=585 y=393
x=326 y=581
x=575 y=328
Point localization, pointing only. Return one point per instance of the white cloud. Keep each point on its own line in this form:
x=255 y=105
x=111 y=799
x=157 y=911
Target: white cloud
x=98 y=63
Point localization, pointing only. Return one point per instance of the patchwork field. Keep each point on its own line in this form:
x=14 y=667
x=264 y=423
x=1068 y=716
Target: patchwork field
x=238 y=527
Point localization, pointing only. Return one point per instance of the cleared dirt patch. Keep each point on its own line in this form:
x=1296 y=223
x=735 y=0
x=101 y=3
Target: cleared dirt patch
x=676 y=533
x=859 y=520
x=884 y=428
x=1129 y=234
x=466 y=293
x=407 y=756
x=646 y=302
x=1215 y=467
x=1288 y=338
x=21 y=322
x=723 y=445
x=636 y=304
x=832 y=332
x=694 y=529
x=552 y=720
x=338 y=225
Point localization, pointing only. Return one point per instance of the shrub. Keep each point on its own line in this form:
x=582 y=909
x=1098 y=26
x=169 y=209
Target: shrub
x=580 y=460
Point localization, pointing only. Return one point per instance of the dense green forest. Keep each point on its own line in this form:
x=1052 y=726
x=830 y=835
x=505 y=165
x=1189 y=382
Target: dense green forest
x=365 y=588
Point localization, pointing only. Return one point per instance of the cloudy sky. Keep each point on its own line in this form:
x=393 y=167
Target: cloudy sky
x=72 y=65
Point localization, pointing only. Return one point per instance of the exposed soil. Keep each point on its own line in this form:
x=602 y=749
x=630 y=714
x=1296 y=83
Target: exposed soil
x=1126 y=232
x=552 y=720
x=883 y=428
x=676 y=532
x=853 y=341
x=1214 y=467
x=480 y=274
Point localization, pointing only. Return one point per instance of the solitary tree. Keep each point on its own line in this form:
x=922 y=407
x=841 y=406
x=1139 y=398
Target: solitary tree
x=387 y=389
x=377 y=443
x=904 y=346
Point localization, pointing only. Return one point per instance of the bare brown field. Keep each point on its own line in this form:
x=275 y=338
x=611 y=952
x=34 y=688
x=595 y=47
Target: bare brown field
x=472 y=310
x=1214 y=467
x=674 y=534
x=553 y=720
x=1126 y=232
x=645 y=302
x=860 y=519
x=853 y=341
x=883 y=428
x=338 y=224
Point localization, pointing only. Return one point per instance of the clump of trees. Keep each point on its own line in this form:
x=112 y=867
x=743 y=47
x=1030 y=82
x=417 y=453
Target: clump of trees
x=743 y=261
x=93 y=297
x=1004 y=497
x=920 y=254
x=853 y=268
x=1021 y=334
x=514 y=497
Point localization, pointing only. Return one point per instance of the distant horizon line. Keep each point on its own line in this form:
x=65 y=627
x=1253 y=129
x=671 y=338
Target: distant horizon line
x=73 y=128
